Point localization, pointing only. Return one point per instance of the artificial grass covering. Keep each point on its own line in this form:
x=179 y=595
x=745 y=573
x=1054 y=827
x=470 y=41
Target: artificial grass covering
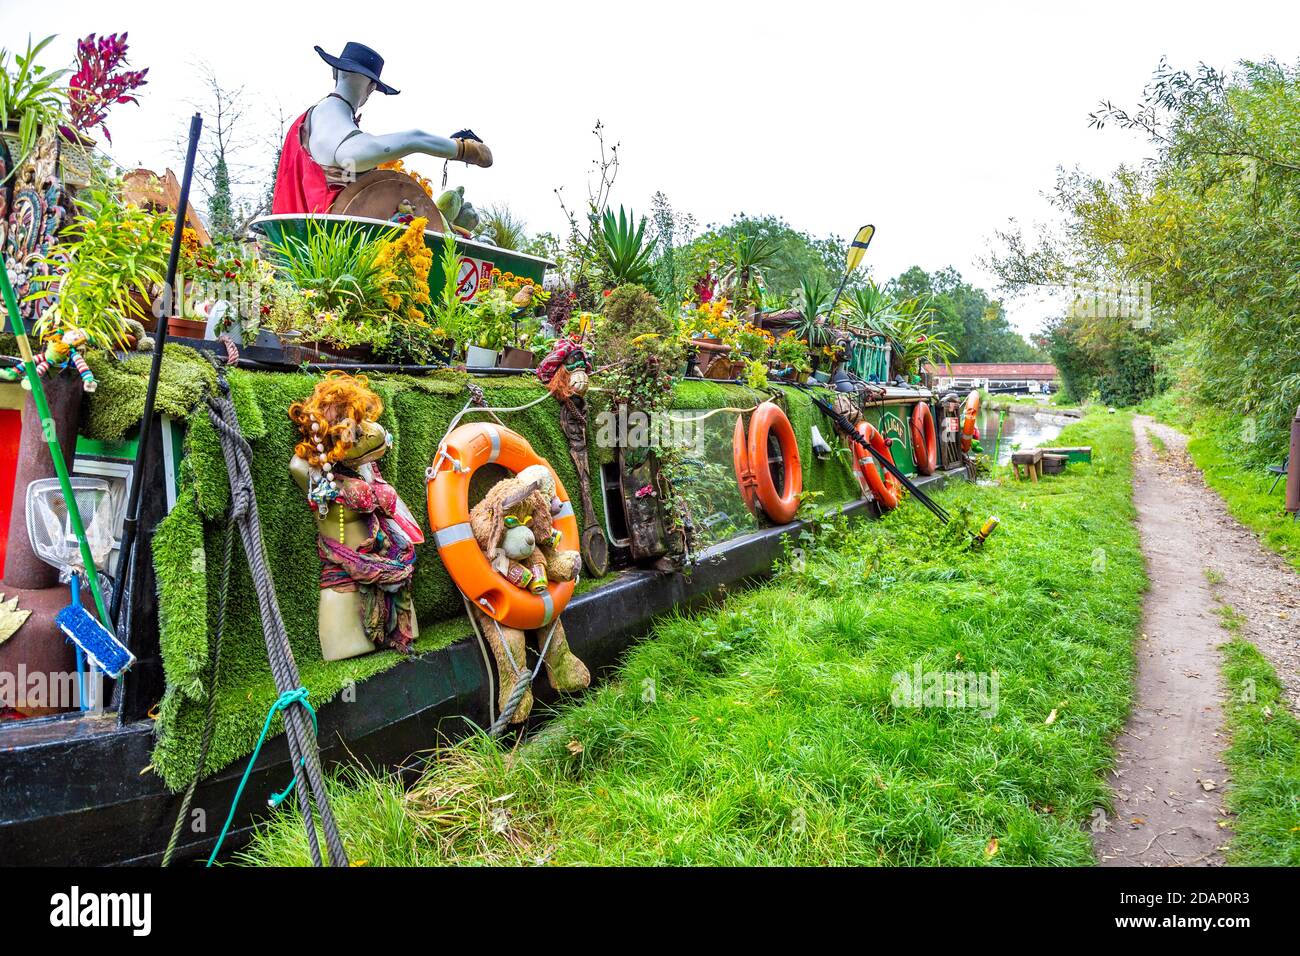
x=118 y=401
x=188 y=543
x=765 y=731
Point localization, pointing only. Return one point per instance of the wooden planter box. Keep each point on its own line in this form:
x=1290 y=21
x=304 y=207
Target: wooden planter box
x=1082 y=453
x=186 y=328
x=512 y=357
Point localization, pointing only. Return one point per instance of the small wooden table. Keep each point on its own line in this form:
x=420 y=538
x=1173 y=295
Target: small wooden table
x=1031 y=459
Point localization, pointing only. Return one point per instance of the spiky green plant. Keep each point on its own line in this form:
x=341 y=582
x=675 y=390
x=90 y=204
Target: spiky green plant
x=744 y=277
x=625 y=253
x=911 y=326
x=504 y=228
x=871 y=306
x=338 y=263
x=30 y=94
x=812 y=299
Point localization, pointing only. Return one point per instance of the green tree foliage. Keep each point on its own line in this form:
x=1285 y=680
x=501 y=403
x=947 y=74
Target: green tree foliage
x=794 y=256
x=1209 y=222
x=964 y=316
x=221 y=211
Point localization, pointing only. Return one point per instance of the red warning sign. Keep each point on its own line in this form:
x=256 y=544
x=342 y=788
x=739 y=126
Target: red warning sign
x=472 y=277
x=467 y=279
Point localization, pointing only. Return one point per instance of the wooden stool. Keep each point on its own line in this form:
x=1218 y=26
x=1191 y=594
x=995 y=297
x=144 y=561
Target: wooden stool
x=1031 y=459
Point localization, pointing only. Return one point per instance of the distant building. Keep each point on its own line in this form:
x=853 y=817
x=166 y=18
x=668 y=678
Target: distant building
x=996 y=376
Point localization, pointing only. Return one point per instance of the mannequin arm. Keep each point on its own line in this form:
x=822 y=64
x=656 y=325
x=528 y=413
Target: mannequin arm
x=366 y=151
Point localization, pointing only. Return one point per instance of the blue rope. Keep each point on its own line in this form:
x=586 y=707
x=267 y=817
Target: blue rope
x=282 y=703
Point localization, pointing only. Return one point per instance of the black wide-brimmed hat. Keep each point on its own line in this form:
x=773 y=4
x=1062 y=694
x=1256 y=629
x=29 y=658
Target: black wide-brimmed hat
x=359 y=58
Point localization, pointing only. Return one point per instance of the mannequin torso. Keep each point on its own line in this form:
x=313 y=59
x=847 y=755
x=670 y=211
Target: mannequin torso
x=336 y=140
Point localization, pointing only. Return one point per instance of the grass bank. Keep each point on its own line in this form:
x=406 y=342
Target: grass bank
x=1263 y=759
x=779 y=728
x=1215 y=445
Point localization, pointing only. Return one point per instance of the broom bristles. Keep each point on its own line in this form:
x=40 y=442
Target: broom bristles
x=99 y=643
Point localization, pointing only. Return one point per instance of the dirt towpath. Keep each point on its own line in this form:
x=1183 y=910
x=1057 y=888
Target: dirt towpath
x=1169 y=778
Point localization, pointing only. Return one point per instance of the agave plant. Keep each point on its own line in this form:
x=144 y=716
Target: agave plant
x=751 y=253
x=812 y=299
x=871 y=307
x=504 y=228
x=31 y=95
x=911 y=326
x=623 y=250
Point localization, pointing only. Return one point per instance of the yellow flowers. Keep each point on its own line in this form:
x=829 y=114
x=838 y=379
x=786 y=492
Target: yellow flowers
x=406 y=262
x=398 y=166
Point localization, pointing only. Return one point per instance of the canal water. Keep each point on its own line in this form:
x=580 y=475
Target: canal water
x=1021 y=429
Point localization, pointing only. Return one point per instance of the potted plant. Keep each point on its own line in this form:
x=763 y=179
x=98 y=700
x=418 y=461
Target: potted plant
x=710 y=331
x=790 y=356
x=910 y=329
x=110 y=262
x=488 y=331
x=357 y=286
x=31 y=97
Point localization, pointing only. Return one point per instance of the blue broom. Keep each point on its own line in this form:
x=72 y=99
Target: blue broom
x=100 y=645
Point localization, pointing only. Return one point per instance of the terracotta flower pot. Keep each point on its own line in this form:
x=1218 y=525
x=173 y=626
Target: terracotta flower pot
x=186 y=328
x=712 y=358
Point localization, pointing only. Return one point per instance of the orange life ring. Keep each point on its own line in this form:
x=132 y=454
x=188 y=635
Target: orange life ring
x=461 y=454
x=886 y=488
x=754 y=463
x=970 y=413
x=925 y=444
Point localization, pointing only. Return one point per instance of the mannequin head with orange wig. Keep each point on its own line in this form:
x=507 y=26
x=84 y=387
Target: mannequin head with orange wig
x=339 y=421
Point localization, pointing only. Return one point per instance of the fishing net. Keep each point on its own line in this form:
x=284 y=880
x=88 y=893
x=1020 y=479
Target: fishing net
x=50 y=526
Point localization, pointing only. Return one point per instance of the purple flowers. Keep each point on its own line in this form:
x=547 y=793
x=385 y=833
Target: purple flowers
x=100 y=82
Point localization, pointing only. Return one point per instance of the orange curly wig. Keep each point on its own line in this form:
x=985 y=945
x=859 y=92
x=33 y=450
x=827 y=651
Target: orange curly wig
x=339 y=403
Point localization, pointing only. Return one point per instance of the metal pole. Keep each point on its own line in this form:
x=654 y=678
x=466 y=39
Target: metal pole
x=130 y=526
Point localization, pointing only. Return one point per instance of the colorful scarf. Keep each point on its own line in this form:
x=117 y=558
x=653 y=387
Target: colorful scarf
x=381 y=567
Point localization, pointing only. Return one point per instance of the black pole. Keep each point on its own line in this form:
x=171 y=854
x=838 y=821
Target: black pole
x=130 y=526
x=838 y=293
x=848 y=432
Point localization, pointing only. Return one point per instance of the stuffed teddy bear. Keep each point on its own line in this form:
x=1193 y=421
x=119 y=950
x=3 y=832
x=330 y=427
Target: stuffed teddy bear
x=522 y=545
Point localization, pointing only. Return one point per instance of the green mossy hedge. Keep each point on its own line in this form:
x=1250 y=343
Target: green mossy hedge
x=188 y=543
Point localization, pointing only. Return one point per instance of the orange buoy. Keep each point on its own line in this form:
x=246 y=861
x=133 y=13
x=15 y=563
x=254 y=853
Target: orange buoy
x=925 y=444
x=886 y=489
x=764 y=455
x=459 y=456
x=970 y=414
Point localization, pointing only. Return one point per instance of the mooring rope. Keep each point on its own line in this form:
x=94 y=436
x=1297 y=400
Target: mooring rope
x=300 y=733
x=710 y=414
x=524 y=678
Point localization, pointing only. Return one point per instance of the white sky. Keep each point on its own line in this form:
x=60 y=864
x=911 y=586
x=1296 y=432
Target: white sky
x=934 y=121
